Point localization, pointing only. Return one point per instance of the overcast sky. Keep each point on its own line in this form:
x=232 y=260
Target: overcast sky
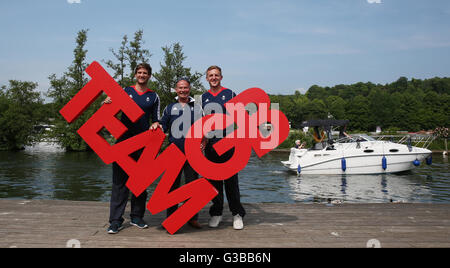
x=279 y=46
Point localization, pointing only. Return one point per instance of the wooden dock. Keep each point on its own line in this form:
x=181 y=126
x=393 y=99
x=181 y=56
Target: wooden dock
x=52 y=223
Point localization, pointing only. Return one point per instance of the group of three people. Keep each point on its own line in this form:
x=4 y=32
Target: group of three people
x=183 y=107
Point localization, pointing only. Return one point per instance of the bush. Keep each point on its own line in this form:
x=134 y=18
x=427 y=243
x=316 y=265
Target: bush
x=294 y=135
x=20 y=107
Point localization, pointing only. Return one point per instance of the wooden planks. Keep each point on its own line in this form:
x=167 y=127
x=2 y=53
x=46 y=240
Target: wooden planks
x=52 y=223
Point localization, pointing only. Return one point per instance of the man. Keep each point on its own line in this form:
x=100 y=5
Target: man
x=177 y=118
x=216 y=97
x=149 y=102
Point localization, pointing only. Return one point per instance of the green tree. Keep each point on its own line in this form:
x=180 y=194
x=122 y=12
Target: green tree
x=440 y=85
x=347 y=92
x=400 y=85
x=292 y=107
x=316 y=92
x=357 y=112
x=119 y=67
x=336 y=107
x=171 y=70
x=298 y=111
x=128 y=56
x=412 y=105
x=315 y=109
x=380 y=108
x=4 y=103
x=435 y=110
x=20 y=107
x=63 y=89
x=135 y=53
x=406 y=105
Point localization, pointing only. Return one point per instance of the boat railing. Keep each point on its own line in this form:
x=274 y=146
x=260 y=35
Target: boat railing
x=416 y=140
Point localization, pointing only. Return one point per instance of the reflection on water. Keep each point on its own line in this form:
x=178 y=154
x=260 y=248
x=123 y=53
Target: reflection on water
x=47 y=172
x=54 y=175
x=366 y=188
x=428 y=184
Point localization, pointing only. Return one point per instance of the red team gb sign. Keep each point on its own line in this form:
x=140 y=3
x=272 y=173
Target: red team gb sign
x=142 y=173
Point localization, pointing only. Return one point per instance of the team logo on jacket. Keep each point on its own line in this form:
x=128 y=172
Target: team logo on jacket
x=148 y=99
x=223 y=97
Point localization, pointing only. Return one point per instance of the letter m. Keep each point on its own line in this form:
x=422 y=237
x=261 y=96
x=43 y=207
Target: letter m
x=169 y=163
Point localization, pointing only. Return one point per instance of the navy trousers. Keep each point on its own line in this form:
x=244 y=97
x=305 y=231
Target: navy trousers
x=120 y=195
x=231 y=186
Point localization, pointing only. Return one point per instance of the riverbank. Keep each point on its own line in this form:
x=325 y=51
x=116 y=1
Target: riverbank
x=55 y=223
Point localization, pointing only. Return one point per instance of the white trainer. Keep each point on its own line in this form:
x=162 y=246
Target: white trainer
x=238 y=224
x=214 y=221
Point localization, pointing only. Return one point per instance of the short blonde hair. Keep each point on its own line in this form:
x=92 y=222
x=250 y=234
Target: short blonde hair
x=212 y=68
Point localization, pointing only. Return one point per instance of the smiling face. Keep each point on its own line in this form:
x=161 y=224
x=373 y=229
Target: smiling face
x=142 y=76
x=214 y=77
x=183 y=90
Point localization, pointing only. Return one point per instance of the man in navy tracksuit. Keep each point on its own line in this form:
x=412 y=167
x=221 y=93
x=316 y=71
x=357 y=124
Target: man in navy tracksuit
x=149 y=102
x=177 y=118
x=215 y=98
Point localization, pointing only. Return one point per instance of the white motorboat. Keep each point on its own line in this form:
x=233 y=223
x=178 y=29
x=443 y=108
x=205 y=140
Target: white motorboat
x=358 y=154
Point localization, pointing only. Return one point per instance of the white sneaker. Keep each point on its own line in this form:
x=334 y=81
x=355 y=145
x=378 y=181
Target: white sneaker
x=238 y=224
x=214 y=221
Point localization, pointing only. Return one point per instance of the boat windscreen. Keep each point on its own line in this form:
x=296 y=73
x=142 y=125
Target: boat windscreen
x=367 y=138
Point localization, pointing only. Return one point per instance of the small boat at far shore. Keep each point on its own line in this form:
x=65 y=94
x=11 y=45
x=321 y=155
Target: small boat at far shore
x=356 y=154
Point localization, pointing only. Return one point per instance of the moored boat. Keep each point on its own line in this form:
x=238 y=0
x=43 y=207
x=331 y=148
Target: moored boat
x=356 y=154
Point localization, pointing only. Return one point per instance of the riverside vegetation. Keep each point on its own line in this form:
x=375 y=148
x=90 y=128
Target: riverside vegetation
x=406 y=104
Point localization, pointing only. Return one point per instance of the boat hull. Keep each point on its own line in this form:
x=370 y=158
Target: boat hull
x=331 y=162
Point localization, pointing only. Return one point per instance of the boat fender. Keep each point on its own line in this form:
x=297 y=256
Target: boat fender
x=384 y=162
x=343 y=164
x=416 y=162
x=299 y=169
x=429 y=160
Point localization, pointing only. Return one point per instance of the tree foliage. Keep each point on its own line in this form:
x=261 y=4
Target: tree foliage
x=409 y=105
x=62 y=90
x=20 y=111
x=171 y=70
x=127 y=57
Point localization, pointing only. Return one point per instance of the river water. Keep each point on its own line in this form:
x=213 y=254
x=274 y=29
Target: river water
x=46 y=172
